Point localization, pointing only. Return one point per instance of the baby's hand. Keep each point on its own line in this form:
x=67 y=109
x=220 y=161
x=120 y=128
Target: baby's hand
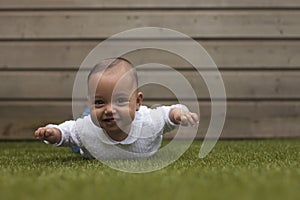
x=184 y=118
x=52 y=135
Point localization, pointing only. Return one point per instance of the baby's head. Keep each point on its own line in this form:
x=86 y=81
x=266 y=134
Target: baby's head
x=113 y=96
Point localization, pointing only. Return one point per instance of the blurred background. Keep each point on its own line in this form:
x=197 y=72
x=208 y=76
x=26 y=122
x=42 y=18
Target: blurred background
x=255 y=44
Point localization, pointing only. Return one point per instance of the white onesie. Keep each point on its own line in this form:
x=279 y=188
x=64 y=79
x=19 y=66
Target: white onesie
x=143 y=140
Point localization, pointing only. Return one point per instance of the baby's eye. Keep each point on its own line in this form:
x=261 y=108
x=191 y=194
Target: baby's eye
x=99 y=102
x=122 y=100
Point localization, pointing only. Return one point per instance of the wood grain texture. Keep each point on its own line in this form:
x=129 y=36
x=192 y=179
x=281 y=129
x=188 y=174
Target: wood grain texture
x=239 y=54
x=262 y=119
x=238 y=84
x=156 y=4
x=255 y=43
x=197 y=24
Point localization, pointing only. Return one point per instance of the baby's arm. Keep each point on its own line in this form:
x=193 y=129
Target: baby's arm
x=63 y=134
x=52 y=135
x=182 y=117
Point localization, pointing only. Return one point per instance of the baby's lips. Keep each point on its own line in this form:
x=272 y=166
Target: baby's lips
x=107 y=119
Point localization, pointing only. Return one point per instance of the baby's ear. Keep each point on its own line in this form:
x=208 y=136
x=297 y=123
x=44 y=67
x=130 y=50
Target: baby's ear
x=139 y=100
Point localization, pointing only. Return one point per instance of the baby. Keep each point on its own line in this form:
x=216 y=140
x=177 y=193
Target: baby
x=117 y=116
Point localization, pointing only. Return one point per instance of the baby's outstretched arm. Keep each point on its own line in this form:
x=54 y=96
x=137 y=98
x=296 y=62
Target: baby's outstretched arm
x=52 y=135
x=182 y=117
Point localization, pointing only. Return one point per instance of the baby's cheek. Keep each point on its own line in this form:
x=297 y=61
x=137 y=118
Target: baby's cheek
x=132 y=116
x=95 y=117
x=127 y=114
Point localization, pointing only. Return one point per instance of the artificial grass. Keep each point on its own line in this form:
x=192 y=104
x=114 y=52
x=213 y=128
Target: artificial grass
x=246 y=169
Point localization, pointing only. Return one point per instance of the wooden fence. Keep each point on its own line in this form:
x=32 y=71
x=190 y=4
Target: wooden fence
x=255 y=44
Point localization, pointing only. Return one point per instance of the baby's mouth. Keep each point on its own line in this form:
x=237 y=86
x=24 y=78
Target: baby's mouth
x=109 y=121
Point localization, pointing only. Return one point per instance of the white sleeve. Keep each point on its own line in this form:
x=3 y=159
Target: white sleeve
x=68 y=134
x=167 y=109
x=169 y=125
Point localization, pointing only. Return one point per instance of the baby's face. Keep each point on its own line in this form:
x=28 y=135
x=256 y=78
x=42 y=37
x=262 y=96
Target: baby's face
x=113 y=101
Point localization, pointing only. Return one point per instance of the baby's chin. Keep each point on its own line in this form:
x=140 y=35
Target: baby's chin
x=116 y=135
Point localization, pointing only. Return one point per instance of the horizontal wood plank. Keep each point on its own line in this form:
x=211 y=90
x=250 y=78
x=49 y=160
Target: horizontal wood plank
x=238 y=84
x=261 y=119
x=157 y=4
x=255 y=43
x=197 y=24
x=242 y=54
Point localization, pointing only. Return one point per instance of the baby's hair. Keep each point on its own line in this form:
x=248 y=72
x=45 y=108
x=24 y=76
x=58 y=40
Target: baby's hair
x=109 y=63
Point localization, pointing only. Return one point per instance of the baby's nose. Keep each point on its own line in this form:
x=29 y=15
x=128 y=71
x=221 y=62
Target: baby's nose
x=109 y=109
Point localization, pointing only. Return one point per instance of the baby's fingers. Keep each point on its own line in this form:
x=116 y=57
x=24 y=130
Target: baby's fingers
x=184 y=120
x=43 y=133
x=40 y=133
x=194 y=119
x=48 y=133
x=189 y=119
